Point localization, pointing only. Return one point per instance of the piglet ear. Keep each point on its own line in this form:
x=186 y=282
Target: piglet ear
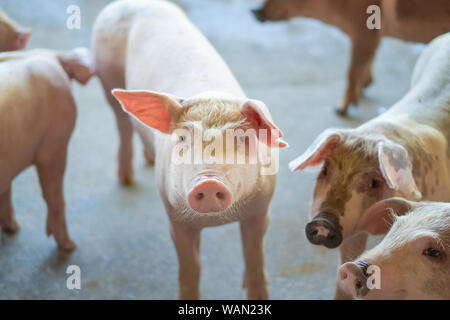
x=379 y=217
x=259 y=117
x=78 y=64
x=22 y=37
x=320 y=149
x=397 y=169
x=156 y=110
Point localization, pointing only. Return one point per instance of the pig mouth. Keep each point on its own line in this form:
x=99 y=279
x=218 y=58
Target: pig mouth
x=324 y=230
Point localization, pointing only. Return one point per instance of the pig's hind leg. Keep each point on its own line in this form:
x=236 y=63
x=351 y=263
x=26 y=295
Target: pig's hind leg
x=51 y=175
x=111 y=78
x=252 y=234
x=359 y=75
x=8 y=221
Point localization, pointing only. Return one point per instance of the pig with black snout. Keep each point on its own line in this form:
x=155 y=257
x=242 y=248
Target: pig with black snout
x=12 y=35
x=412 y=261
x=176 y=88
x=401 y=153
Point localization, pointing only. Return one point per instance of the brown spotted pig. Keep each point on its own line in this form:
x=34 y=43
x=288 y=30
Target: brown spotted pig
x=410 y=20
x=403 y=152
x=37 y=116
x=412 y=261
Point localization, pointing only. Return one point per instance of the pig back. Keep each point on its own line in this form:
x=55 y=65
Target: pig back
x=33 y=94
x=166 y=52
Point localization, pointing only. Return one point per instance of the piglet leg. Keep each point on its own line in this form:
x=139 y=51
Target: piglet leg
x=8 y=221
x=363 y=52
x=51 y=175
x=252 y=234
x=187 y=244
x=350 y=250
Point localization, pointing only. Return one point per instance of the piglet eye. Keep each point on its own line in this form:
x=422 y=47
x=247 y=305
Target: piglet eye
x=374 y=183
x=431 y=252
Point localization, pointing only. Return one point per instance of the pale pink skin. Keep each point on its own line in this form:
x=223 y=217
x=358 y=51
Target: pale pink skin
x=142 y=45
x=404 y=19
x=406 y=271
x=37 y=116
x=12 y=36
x=423 y=114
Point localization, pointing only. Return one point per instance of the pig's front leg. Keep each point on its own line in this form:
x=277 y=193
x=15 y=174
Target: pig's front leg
x=8 y=221
x=350 y=249
x=51 y=176
x=252 y=233
x=187 y=244
x=363 y=52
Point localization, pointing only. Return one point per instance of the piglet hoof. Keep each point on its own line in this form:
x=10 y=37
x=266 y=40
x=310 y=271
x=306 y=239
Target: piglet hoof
x=259 y=293
x=150 y=161
x=62 y=238
x=67 y=246
x=188 y=296
x=341 y=111
x=9 y=225
x=126 y=179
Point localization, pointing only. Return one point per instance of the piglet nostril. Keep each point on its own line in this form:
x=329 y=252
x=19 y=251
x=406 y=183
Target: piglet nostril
x=358 y=285
x=220 y=195
x=199 y=196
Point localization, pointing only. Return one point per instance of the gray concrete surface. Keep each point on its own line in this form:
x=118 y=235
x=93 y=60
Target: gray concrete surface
x=124 y=248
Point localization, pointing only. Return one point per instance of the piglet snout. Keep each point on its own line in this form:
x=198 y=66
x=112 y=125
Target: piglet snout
x=352 y=278
x=210 y=195
x=323 y=231
x=259 y=14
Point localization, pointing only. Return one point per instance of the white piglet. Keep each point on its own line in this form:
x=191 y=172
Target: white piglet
x=195 y=123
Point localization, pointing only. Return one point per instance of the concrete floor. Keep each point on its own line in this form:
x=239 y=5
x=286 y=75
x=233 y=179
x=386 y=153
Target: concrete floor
x=124 y=248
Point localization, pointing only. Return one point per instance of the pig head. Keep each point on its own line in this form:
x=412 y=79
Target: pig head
x=411 y=262
x=12 y=36
x=208 y=134
x=358 y=170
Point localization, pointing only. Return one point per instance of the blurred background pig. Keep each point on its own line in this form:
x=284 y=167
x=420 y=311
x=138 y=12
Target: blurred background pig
x=403 y=152
x=412 y=261
x=410 y=20
x=37 y=116
x=12 y=35
x=131 y=52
